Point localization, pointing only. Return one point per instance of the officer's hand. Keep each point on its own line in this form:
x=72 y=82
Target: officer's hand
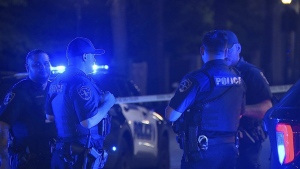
x=109 y=98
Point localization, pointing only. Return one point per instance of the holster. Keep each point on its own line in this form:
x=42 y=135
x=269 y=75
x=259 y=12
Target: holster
x=193 y=139
x=194 y=151
x=69 y=151
x=20 y=160
x=253 y=135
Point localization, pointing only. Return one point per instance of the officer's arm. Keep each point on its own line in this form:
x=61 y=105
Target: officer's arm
x=258 y=110
x=109 y=101
x=4 y=136
x=171 y=114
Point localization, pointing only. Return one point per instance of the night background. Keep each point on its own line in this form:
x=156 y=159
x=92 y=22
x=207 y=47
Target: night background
x=153 y=42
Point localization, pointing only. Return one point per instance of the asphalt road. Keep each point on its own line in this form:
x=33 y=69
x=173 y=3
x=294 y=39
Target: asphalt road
x=176 y=153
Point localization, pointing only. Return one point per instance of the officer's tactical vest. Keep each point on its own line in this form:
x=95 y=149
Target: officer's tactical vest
x=220 y=110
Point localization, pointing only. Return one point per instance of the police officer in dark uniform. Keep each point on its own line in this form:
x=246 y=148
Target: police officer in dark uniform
x=258 y=101
x=22 y=116
x=79 y=110
x=207 y=107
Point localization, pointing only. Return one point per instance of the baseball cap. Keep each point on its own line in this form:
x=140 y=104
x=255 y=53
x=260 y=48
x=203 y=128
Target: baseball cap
x=232 y=38
x=80 y=45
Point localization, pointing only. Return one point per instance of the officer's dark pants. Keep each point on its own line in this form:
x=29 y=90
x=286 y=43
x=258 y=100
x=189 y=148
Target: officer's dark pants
x=58 y=160
x=219 y=156
x=30 y=161
x=249 y=155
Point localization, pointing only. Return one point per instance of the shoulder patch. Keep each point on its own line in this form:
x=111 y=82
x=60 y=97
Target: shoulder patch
x=184 y=85
x=8 y=98
x=84 y=92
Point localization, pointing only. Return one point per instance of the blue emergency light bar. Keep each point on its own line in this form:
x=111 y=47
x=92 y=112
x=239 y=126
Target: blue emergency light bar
x=100 y=67
x=58 y=69
x=96 y=68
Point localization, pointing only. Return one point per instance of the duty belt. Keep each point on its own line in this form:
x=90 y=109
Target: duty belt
x=204 y=142
x=221 y=140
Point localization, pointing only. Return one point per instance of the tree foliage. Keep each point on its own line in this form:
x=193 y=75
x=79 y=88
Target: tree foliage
x=47 y=25
x=175 y=29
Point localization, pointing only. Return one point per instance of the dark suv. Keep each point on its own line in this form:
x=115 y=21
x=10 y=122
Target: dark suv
x=282 y=122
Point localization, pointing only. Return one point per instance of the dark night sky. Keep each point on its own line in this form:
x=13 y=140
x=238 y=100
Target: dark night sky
x=156 y=30
x=50 y=26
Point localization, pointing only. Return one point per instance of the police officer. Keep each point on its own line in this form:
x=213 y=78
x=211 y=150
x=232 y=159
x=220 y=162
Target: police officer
x=78 y=107
x=22 y=116
x=258 y=101
x=206 y=109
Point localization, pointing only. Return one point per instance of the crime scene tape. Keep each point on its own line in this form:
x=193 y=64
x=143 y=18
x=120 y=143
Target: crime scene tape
x=167 y=97
x=148 y=98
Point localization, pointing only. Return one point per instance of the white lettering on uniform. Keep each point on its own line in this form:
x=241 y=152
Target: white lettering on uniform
x=223 y=81
x=227 y=81
x=217 y=80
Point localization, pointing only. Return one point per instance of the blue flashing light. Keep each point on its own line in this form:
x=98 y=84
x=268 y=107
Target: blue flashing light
x=101 y=67
x=61 y=69
x=58 y=69
x=114 y=148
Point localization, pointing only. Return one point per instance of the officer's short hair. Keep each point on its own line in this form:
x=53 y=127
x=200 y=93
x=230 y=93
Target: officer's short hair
x=32 y=53
x=215 y=41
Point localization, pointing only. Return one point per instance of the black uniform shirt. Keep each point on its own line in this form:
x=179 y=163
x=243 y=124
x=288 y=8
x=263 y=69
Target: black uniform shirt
x=23 y=109
x=258 y=89
x=74 y=98
x=257 y=85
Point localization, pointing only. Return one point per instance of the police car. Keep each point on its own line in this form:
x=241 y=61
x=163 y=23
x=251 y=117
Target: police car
x=282 y=122
x=139 y=137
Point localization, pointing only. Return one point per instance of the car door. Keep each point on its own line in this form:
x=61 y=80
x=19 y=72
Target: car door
x=143 y=128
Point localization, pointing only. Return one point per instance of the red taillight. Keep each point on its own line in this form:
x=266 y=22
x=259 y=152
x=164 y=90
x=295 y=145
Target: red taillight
x=285 y=143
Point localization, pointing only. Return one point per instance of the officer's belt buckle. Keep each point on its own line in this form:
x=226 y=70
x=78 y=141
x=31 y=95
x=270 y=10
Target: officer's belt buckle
x=203 y=142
